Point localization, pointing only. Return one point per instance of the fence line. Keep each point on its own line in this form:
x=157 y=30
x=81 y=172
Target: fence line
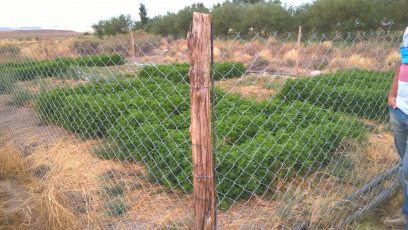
x=302 y=132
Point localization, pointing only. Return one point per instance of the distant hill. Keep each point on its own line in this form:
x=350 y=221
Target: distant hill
x=7 y=34
x=21 y=28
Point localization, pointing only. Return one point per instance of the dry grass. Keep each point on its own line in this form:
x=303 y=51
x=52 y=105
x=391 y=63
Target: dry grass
x=11 y=162
x=253 y=86
x=69 y=191
x=392 y=60
x=26 y=203
x=281 y=56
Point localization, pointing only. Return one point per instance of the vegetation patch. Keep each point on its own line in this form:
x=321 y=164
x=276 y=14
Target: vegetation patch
x=179 y=72
x=101 y=60
x=20 y=96
x=149 y=119
x=356 y=92
x=30 y=70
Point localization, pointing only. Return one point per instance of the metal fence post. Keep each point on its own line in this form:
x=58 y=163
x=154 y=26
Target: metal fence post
x=198 y=42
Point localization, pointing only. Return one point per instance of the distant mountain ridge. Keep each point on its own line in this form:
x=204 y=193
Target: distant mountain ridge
x=22 y=28
x=28 y=32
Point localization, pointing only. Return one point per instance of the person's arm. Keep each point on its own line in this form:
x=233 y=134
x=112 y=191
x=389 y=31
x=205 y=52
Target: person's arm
x=392 y=96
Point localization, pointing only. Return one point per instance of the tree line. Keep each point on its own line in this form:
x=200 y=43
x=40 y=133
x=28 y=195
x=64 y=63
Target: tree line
x=267 y=17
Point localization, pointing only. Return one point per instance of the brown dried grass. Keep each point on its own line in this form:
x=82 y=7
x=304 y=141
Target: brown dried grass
x=48 y=49
x=253 y=86
x=25 y=202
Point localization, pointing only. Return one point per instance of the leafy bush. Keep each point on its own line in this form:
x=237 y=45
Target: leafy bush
x=102 y=60
x=358 y=92
x=7 y=82
x=179 y=72
x=174 y=73
x=228 y=70
x=114 y=190
x=116 y=207
x=31 y=70
x=149 y=119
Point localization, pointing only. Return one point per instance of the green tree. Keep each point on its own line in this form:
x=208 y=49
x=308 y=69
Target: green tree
x=113 y=26
x=164 y=25
x=177 y=23
x=143 y=15
x=98 y=29
x=264 y=18
x=247 y=1
x=185 y=16
x=226 y=17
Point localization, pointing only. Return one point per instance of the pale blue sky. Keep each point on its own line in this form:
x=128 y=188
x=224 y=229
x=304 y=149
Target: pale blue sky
x=79 y=15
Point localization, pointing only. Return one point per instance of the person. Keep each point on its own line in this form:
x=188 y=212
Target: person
x=398 y=105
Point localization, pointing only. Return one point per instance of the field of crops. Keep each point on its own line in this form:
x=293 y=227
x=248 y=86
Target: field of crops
x=147 y=119
x=271 y=130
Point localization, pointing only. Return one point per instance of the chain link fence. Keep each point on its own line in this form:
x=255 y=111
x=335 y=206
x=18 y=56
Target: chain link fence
x=302 y=138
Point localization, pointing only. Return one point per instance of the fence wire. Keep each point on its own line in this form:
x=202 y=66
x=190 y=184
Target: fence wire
x=303 y=139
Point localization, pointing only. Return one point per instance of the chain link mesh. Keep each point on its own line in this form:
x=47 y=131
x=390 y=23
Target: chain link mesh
x=302 y=132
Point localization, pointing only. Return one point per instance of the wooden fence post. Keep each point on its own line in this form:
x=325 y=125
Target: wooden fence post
x=199 y=45
x=298 y=49
x=132 y=40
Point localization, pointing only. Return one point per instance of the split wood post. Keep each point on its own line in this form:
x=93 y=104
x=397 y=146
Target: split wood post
x=199 y=45
x=298 y=49
x=133 y=44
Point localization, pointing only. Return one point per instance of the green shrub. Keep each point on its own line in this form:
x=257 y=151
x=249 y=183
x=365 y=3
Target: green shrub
x=358 y=92
x=31 y=70
x=116 y=207
x=7 y=82
x=174 y=73
x=114 y=190
x=101 y=60
x=149 y=118
x=179 y=72
x=228 y=70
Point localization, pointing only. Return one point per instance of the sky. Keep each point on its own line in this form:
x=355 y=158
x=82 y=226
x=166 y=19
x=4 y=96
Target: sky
x=79 y=15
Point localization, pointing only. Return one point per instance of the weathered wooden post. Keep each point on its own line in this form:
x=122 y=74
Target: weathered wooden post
x=298 y=49
x=132 y=40
x=199 y=45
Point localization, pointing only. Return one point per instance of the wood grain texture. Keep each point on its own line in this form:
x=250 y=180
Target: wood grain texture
x=199 y=45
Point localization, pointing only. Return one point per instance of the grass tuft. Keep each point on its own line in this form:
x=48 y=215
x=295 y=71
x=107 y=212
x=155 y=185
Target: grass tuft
x=20 y=97
x=116 y=208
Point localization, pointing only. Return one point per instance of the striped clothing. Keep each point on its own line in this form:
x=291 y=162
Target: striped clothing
x=404 y=47
x=402 y=96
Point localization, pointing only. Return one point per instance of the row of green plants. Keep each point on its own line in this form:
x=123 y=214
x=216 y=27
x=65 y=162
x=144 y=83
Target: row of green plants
x=29 y=70
x=101 y=60
x=148 y=120
x=357 y=92
x=19 y=95
x=179 y=72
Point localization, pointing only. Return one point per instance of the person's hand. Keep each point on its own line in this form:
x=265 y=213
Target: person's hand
x=392 y=101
